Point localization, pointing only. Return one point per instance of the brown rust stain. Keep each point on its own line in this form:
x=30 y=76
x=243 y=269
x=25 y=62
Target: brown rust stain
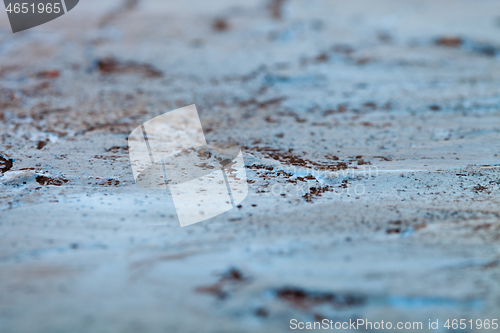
x=306 y=299
x=113 y=66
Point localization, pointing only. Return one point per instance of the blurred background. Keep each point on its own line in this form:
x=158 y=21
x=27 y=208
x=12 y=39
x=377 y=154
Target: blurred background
x=408 y=88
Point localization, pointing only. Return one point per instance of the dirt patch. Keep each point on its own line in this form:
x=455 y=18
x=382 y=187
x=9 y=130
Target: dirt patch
x=111 y=158
x=116 y=127
x=316 y=191
x=41 y=144
x=306 y=299
x=387 y=159
x=290 y=158
x=231 y=278
x=44 y=180
x=276 y=9
x=449 y=41
x=254 y=104
x=117 y=149
x=5 y=164
x=110 y=182
x=479 y=189
x=220 y=25
x=113 y=66
x=340 y=109
x=482 y=48
x=48 y=74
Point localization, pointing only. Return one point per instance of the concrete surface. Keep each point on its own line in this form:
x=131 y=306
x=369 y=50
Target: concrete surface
x=371 y=136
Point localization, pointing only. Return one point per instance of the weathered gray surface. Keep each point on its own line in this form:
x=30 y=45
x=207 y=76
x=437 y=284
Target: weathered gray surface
x=323 y=78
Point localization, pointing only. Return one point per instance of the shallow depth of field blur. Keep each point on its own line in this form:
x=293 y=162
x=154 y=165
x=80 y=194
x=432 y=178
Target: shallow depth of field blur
x=371 y=138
